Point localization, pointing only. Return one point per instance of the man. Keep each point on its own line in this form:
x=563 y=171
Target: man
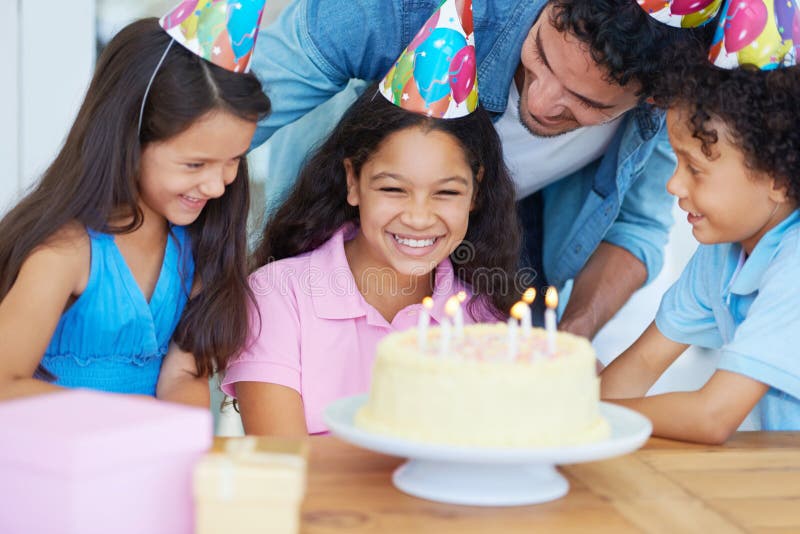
x=567 y=81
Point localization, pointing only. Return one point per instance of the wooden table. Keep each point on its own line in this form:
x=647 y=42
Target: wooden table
x=751 y=484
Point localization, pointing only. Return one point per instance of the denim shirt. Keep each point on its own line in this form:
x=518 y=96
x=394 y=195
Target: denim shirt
x=317 y=47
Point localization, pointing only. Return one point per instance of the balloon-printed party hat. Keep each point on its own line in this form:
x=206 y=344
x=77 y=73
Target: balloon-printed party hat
x=437 y=74
x=681 y=13
x=760 y=33
x=223 y=32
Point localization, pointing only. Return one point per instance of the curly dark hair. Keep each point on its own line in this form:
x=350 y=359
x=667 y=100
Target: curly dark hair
x=317 y=206
x=759 y=108
x=628 y=43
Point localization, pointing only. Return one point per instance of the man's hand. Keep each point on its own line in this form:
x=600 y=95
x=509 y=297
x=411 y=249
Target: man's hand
x=604 y=285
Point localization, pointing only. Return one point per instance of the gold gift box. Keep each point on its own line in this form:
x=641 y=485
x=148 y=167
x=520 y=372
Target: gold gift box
x=248 y=485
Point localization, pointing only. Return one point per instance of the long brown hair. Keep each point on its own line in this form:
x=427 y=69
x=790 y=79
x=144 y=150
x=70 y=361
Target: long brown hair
x=317 y=206
x=95 y=176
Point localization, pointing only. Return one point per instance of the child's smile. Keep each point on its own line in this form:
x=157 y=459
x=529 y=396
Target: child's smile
x=192 y=203
x=180 y=175
x=415 y=245
x=726 y=200
x=414 y=196
x=693 y=217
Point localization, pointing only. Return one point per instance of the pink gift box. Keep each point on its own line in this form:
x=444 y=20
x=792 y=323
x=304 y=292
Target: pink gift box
x=85 y=462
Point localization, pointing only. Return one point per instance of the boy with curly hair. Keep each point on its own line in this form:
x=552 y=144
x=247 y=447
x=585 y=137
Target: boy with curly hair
x=738 y=178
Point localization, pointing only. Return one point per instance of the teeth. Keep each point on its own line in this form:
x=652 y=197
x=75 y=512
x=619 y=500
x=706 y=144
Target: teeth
x=415 y=243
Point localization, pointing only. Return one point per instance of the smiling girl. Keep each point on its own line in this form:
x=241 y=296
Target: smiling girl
x=394 y=206
x=124 y=270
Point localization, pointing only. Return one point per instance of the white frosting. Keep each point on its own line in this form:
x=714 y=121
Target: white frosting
x=477 y=397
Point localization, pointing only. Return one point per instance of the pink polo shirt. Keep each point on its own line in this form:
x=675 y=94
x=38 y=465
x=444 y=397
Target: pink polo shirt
x=318 y=334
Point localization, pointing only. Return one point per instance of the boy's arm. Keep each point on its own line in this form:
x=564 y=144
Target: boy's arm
x=634 y=372
x=178 y=380
x=31 y=310
x=271 y=410
x=709 y=415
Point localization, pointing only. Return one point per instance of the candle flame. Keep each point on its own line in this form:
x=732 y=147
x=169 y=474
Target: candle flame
x=529 y=296
x=427 y=303
x=518 y=310
x=462 y=296
x=551 y=298
x=452 y=306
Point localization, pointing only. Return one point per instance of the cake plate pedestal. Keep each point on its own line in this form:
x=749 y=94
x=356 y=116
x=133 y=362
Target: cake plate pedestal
x=481 y=476
x=480 y=484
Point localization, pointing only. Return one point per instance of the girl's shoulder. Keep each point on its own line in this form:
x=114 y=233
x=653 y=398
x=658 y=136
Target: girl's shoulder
x=291 y=270
x=72 y=234
x=66 y=255
x=71 y=244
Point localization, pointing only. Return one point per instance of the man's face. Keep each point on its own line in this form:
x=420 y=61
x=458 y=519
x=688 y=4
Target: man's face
x=563 y=88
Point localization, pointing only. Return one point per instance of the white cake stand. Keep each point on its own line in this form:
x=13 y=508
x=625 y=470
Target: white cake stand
x=487 y=476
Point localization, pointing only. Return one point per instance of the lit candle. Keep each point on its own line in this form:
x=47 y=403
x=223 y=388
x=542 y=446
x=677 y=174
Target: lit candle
x=424 y=321
x=517 y=313
x=551 y=301
x=444 y=340
x=527 y=299
x=458 y=314
x=451 y=309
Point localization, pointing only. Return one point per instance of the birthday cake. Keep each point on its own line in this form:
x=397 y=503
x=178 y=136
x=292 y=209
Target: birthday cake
x=481 y=394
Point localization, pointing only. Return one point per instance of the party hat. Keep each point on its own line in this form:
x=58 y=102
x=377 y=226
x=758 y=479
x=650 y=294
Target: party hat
x=760 y=33
x=437 y=74
x=223 y=32
x=681 y=13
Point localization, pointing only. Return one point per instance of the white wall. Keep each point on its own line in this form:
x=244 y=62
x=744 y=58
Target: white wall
x=51 y=46
x=9 y=95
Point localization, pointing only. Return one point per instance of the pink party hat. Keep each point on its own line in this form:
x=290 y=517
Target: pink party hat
x=681 y=13
x=223 y=32
x=437 y=74
x=759 y=33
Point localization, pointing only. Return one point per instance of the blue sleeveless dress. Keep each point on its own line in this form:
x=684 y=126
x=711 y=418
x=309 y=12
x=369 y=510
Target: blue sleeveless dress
x=111 y=338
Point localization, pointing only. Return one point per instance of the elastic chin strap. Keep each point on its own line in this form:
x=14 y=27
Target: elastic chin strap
x=150 y=83
x=771 y=215
x=774 y=211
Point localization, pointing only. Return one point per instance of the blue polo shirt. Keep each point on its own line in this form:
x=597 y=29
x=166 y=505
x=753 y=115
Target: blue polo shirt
x=749 y=309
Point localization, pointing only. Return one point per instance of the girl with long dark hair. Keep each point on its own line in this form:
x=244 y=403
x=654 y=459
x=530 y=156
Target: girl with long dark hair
x=395 y=206
x=124 y=269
